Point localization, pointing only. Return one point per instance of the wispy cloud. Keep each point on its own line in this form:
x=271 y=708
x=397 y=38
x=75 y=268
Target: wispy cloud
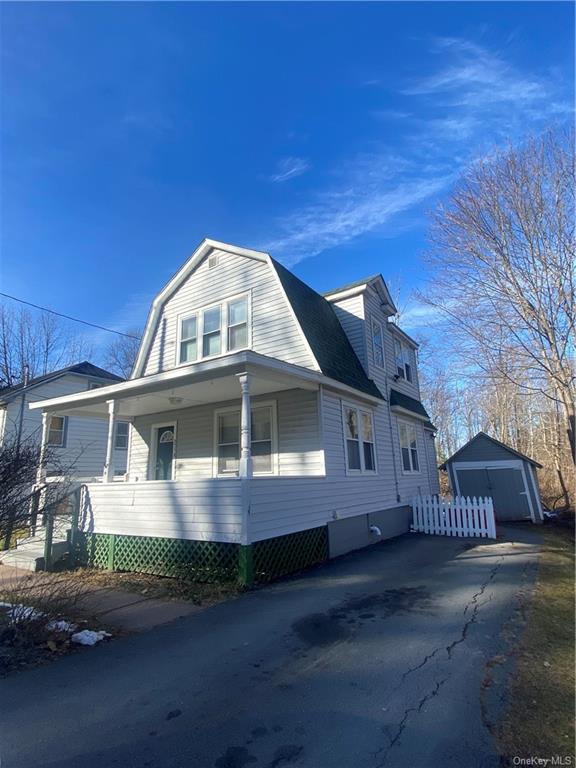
x=476 y=98
x=288 y=168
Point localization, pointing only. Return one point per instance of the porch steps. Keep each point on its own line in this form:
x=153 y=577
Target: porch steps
x=29 y=553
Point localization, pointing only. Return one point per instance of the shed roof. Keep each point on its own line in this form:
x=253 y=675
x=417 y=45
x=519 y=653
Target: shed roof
x=325 y=334
x=483 y=435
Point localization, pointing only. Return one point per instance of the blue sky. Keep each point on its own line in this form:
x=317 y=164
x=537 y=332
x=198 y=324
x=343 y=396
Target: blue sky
x=320 y=132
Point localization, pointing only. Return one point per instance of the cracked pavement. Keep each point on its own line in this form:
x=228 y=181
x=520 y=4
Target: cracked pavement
x=375 y=660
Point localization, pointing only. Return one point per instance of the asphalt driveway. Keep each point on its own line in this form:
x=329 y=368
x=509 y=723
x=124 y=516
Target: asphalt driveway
x=376 y=659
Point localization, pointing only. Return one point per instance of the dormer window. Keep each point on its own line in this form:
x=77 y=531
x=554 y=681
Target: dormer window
x=378 y=343
x=214 y=330
x=403 y=360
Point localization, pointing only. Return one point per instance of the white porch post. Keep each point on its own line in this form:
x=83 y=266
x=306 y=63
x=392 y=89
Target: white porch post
x=109 y=465
x=245 y=427
x=41 y=474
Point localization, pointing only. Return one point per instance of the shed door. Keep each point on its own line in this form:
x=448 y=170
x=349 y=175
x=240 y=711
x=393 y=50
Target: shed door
x=505 y=486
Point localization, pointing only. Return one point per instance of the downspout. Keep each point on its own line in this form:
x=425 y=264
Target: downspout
x=393 y=454
x=22 y=404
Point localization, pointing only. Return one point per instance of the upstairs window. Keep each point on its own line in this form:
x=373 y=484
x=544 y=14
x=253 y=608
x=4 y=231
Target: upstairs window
x=403 y=360
x=359 y=440
x=211 y=333
x=121 y=435
x=409 y=447
x=214 y=330
x=188 y=339
x=57 y=431
x=378 y=343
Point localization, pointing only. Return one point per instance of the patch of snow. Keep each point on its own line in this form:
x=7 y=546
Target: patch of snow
x=89 y=637
x=61 y=626
x=19 y=612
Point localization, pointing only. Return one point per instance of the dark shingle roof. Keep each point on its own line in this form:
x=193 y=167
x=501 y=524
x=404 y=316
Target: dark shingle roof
x=325 y=335
x=85 y=368
x=409 y=404
x=496 y=442
x=355 y=284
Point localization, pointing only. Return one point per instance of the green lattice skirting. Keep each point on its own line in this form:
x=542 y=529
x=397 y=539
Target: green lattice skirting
x=205 y=561
x=282 y=555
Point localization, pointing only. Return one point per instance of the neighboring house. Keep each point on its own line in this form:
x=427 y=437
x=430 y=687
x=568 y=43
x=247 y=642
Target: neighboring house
x=264 y=417
x=487 y=467
x=78 y=442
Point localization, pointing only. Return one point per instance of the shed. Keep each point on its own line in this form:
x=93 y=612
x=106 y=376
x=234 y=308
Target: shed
x=487 y=467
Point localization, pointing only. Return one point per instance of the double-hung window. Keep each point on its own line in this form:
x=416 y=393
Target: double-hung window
x=378 y=343
x=121 y=435
x=214 y=331
x=262 y=446
x=409 y=447
x=359 y=439
x=403 y=360
x=57 y=431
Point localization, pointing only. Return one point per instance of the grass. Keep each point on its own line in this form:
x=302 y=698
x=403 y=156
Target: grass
x=540 y=718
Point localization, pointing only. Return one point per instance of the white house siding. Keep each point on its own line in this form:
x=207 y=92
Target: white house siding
x=350 y=312
x=280 y=505
x=201 y=510
x=432 y=462
x=299 y=443
x=274 y=330
x=85 y=449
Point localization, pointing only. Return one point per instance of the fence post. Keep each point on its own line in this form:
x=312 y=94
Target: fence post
x=73 y=554
x=246 y=565
x=111 y=548
x=490 y=520
x=49 y=515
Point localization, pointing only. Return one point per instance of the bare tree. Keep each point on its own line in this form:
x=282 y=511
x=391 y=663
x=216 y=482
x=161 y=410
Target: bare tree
x=122 y=353
x=503 y=270
x=37 y=342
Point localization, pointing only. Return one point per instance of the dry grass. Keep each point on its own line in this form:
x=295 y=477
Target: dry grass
x=540 y=720
x=159 y=586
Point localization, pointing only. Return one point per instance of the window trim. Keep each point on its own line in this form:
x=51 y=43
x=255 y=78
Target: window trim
x=375 y=321
x=64 y=442
x=153 y=449
x=273 y=405
x=406 y=423
x=224 y=345
x=359 y=410
x=121 y=447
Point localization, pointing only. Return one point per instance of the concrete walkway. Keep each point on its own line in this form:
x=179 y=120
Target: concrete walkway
x=114 y=608
x=376 y=660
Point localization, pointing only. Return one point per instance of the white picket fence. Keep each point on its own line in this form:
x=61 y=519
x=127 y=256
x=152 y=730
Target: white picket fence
x=460 y=516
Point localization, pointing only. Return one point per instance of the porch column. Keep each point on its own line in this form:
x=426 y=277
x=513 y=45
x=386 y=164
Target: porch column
x=245 y=427
x=109 y=464
x=41 y=473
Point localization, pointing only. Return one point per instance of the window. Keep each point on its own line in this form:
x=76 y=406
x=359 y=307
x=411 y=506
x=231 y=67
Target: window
x=378 y=343
x=211 y=335
x=214 y=331
x=408 y=447
x=237 y=324
x=57 y=431
x=403 y=360
x=121 y=436
x=188 y=339
x=262 y=443
x=359 y=435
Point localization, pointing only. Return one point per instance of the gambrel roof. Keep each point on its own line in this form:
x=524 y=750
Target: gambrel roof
x=320 y=327
x=84 y=369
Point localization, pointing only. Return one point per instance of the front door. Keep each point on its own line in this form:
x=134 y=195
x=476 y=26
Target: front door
x=164 y=452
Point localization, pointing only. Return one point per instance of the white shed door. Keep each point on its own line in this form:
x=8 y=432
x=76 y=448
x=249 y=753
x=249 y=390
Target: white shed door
x=505 y=486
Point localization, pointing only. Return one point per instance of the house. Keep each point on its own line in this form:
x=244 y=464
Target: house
x=487 y=467
x=77 y=442
x=270 y=426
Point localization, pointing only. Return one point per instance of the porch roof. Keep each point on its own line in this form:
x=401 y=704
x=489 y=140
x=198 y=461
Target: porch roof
x=195 y=384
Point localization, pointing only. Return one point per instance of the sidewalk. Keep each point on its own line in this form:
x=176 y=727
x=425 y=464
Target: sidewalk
x=116 y=608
